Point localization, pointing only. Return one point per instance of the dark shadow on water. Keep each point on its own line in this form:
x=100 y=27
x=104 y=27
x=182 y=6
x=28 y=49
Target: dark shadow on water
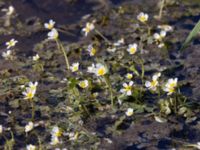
x=164 y=144
x=187 y=133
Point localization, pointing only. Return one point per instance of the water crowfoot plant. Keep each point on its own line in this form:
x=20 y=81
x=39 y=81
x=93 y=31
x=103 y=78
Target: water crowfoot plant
x=54 y=35
x=101 y=70
x=50 y=24
x=129 y=112
x=143 y=18
x=74 y=67
x=89 y=27
x=60 y=46
x=36 y=57
x=11 y=43
x=159 y=38
x=152 y=85
x=132 y=48
x=29 y=94
x=7 y=55
x=92 y=50
x=76 y=106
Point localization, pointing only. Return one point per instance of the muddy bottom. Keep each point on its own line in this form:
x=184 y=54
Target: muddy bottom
x=114 y=20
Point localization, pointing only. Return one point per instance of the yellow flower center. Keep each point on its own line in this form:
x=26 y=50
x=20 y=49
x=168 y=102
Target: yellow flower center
x=171 y=90
x=154 y=83
x=75 y=68
x=58 y=134
x=142 y=18
x=172 y=85
x=132 y=50
x=101 y=71
x=129 y=113
x=128 y=88
x=82 y=84
x=29 y=95
x=11 y=43
x=93 y=51
x=50 y=26
x=87 y=29
x=129 y=76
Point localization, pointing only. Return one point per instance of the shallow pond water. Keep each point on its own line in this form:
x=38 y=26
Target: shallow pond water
x=115 y=19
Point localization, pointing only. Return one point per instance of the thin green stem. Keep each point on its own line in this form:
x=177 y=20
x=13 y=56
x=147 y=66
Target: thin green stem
x=60 y=47
x=142 y=68
x=99 y=33
x=161 y=9
x=33 y=110
x=107 y=81
x=65 y=32
x=175 y=102
x=159 y=93
x=148 y=29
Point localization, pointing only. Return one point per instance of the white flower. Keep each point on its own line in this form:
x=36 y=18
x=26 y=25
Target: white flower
x=31 y=147
x=89 y=27
x=132 y=48
x=74 y=67
x=129 y=112
x=36 y=57
x=166 y=28
x=56 y=132
x=53 y=34
x=91 y=50
x=98 y=69
x=91 y=69
x=119 y=42
x=22 y=86
x=29 y=93
x=73 y=136
x=159 y=36
x=9 y=11
x=1 y=129
x=29 y=127
x=50 y=24
x=127 y=88
x=129 y=75
x=108 y=140
x=152 y=85
x=7 y=55
x=54 y=140
x=83 y=84
x=143 y=17
x=11 y=43
x=198 y=145
x=161 y=45
x=170 y=86
x=111 y=49
x=33 y=86
x=163 y=33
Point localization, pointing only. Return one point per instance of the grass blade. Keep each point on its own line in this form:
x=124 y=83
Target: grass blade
x=192 y=35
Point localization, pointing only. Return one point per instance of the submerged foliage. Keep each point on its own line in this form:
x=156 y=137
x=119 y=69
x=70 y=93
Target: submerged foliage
x=117 y=77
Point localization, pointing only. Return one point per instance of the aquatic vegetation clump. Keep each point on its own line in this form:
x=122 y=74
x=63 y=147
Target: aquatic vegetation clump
x=113 y=75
